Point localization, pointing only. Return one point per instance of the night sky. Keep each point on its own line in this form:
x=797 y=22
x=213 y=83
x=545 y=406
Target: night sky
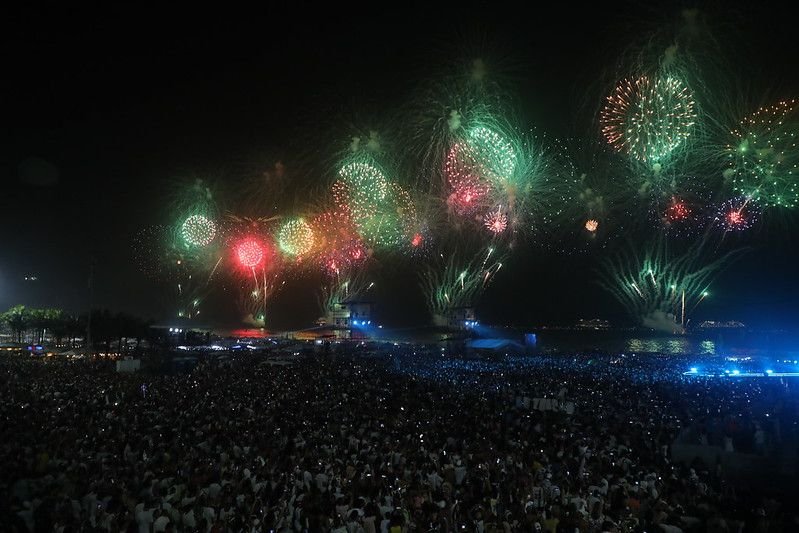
x=104 y=111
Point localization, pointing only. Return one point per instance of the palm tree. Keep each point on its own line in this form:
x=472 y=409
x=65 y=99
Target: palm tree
x=38 y=323
x=103 y=328
x=123 y=326
x=76 y=326
x=18 y=319
x=59 y=325
x=50 y=319
x=142 y=330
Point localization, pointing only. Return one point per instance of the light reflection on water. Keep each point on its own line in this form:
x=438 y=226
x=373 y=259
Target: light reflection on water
x=707 y=348
x=669 y=346
x=250 y=333
x=740 y=343
x=677 y=346
x=706 y=343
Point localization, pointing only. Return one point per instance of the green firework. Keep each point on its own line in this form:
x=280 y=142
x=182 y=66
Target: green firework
x=383 y=212
x=457 y=281
x=198 y=230
x=353 y=286
x=764 y=160
x=648 y=118
x=367 y=186
x=658 y=283
x=296 y=237
x=495 y=153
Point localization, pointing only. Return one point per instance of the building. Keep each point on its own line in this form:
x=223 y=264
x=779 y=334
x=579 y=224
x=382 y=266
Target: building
x=592 y=323
x=729 y=324
x=351 y=319
x=348 y=314
x=180 y=331
x=461 y=318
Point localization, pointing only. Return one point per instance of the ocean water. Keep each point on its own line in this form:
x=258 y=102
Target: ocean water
x=720 y=342
x=709 y=342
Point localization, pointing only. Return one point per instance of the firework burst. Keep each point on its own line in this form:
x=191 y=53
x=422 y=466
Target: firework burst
x=341 y=289
x=764 y=159
x=659 y=289
x=486 y=168
x=737 y=214
x=337 y=245
x=250 y=253
x=682 y=214
x=648 y=118
x=363 y=187
x=469 y=189
x=198 y=230
x=258 y=273
x=496 y=221
x=296 y=237
x=454 y=282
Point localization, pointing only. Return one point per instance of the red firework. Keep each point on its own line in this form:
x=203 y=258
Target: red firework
x=677 y=211
x=464 y=175
x=737 y=214
x=496 y=221
x=735 y=219
x=337 y=246
x=250 y=252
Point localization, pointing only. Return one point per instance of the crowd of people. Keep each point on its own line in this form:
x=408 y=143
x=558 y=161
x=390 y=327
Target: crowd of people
x=392 y=441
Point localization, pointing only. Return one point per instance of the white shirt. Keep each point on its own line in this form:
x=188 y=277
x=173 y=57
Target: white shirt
x=460 y=473
x=209 y=514
x=188 y=519
x=160 y=523
x=213 y=489
x=144 y=519
x=435 y=481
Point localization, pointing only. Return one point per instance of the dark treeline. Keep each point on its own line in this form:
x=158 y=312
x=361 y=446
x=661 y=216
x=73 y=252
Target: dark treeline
x=37 y=325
